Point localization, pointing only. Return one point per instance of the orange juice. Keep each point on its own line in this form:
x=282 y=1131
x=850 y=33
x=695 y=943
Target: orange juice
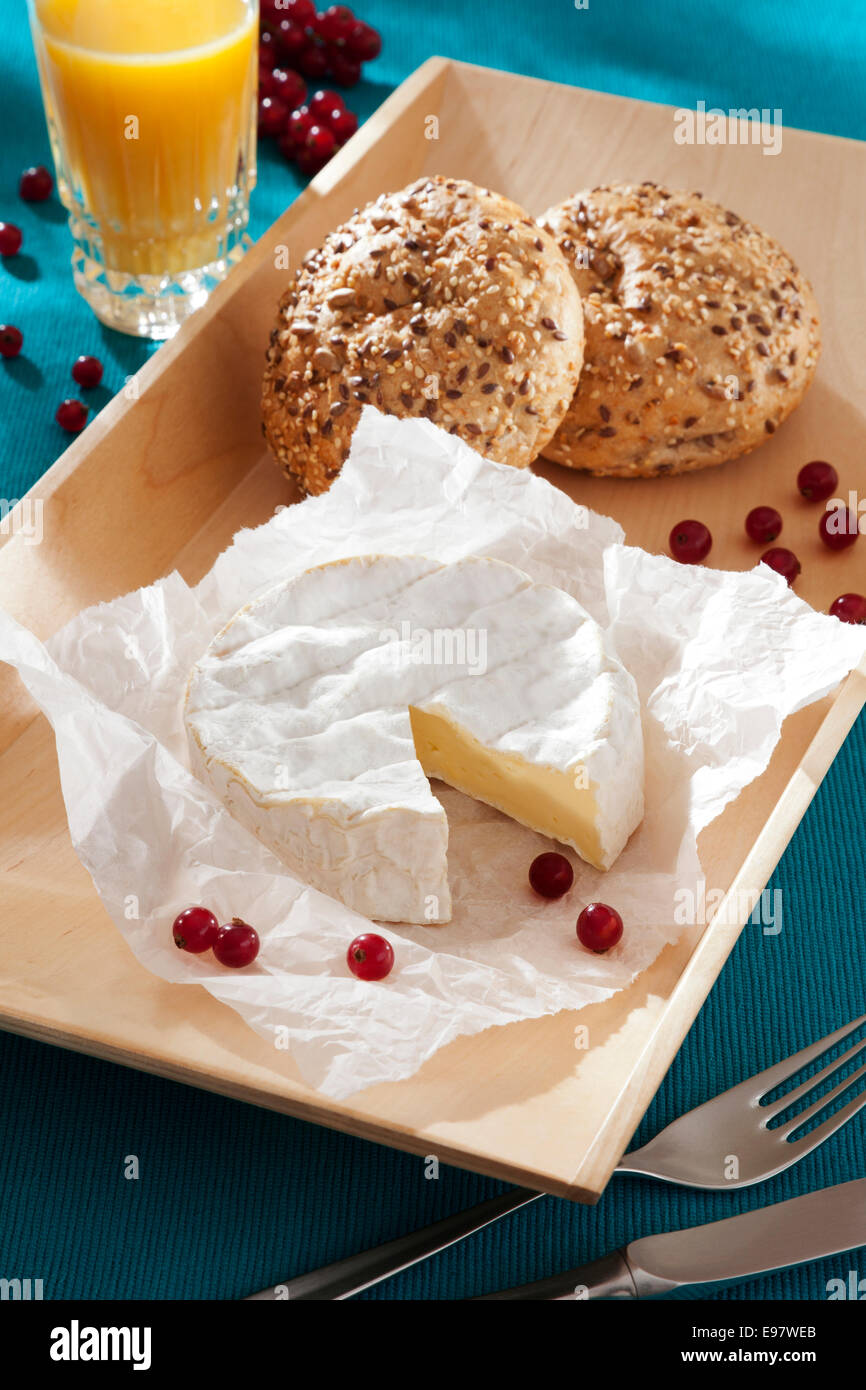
x=151 y=110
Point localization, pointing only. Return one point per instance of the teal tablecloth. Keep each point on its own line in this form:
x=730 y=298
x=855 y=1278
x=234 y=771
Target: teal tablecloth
x=231 y=1197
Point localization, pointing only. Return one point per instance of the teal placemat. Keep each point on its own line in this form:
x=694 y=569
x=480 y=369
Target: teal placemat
x=230 y=1198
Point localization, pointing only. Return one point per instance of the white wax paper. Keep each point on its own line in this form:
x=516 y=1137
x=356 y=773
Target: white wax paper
x=720 y=660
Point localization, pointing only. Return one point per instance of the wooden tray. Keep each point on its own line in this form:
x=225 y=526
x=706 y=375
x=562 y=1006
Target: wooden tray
x=164 y=480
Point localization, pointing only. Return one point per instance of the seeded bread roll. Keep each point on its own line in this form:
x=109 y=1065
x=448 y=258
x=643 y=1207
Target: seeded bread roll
x=443 y=300
x=701 y=334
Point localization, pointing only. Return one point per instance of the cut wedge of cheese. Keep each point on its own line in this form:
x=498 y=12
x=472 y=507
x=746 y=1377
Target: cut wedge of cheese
x=321 y=710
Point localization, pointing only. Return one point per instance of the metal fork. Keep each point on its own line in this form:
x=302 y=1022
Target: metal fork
x=693 y=1151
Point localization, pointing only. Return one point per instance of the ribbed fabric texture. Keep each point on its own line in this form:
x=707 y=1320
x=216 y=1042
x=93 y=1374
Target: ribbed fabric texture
x=231 y=1198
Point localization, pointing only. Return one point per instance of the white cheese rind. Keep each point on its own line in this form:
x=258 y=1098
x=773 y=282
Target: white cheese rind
x=299 y=718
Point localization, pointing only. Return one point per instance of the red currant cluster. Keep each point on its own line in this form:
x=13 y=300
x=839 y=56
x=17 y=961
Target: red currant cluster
x=294 y=39
x=334 y=43
x=690 y=541
x=312 y=131
x=197 y=930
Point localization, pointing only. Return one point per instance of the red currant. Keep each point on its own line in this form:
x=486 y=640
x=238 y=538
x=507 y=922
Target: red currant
x=195 y=930
x=599 y=927
x=267 y=50
x=849 y=608
x=308 y=163
x=289 y=86
x=87 y=371
x=346 y=71
x=288 y=146
x=817 y=481
x=335 y=25
x=690 y=542
x=323 y=102
x=300 y=12
x=320 y=142
x=72 y=415
x=291 y=39
x=236 y=945
x=783 y=561
x=551 y=875
x=370 y=956
x=10 y=239
x=273 y=115
x=342 y=122
x=35 y=184
x=363 y=42
x=299 y=125
x=313 y=61
x=267 y=85
x=838 y=528
x=763 y=524
x=11 y=340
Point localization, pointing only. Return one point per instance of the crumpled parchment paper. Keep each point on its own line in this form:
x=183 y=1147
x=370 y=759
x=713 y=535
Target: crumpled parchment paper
x=720 y=660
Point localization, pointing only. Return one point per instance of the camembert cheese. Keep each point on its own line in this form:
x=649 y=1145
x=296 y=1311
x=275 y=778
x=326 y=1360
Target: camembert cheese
x=322 y=708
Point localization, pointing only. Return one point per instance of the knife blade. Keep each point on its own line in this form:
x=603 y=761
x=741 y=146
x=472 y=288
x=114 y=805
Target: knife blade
x=788 y=1233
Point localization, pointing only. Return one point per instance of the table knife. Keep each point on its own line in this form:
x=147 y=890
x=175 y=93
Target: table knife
x=722 y=1252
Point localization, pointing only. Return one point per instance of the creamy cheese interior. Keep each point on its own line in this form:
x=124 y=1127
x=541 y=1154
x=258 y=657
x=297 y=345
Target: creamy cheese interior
x=541 y=798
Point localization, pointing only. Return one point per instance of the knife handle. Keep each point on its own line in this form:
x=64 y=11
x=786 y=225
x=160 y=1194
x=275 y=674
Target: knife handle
x=347 y=1277
x=609 y=1277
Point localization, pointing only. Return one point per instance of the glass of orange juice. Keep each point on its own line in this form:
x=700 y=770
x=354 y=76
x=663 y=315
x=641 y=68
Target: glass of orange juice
x=151 y=110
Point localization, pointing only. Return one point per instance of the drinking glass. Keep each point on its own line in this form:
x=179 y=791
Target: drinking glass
x=151 y=111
